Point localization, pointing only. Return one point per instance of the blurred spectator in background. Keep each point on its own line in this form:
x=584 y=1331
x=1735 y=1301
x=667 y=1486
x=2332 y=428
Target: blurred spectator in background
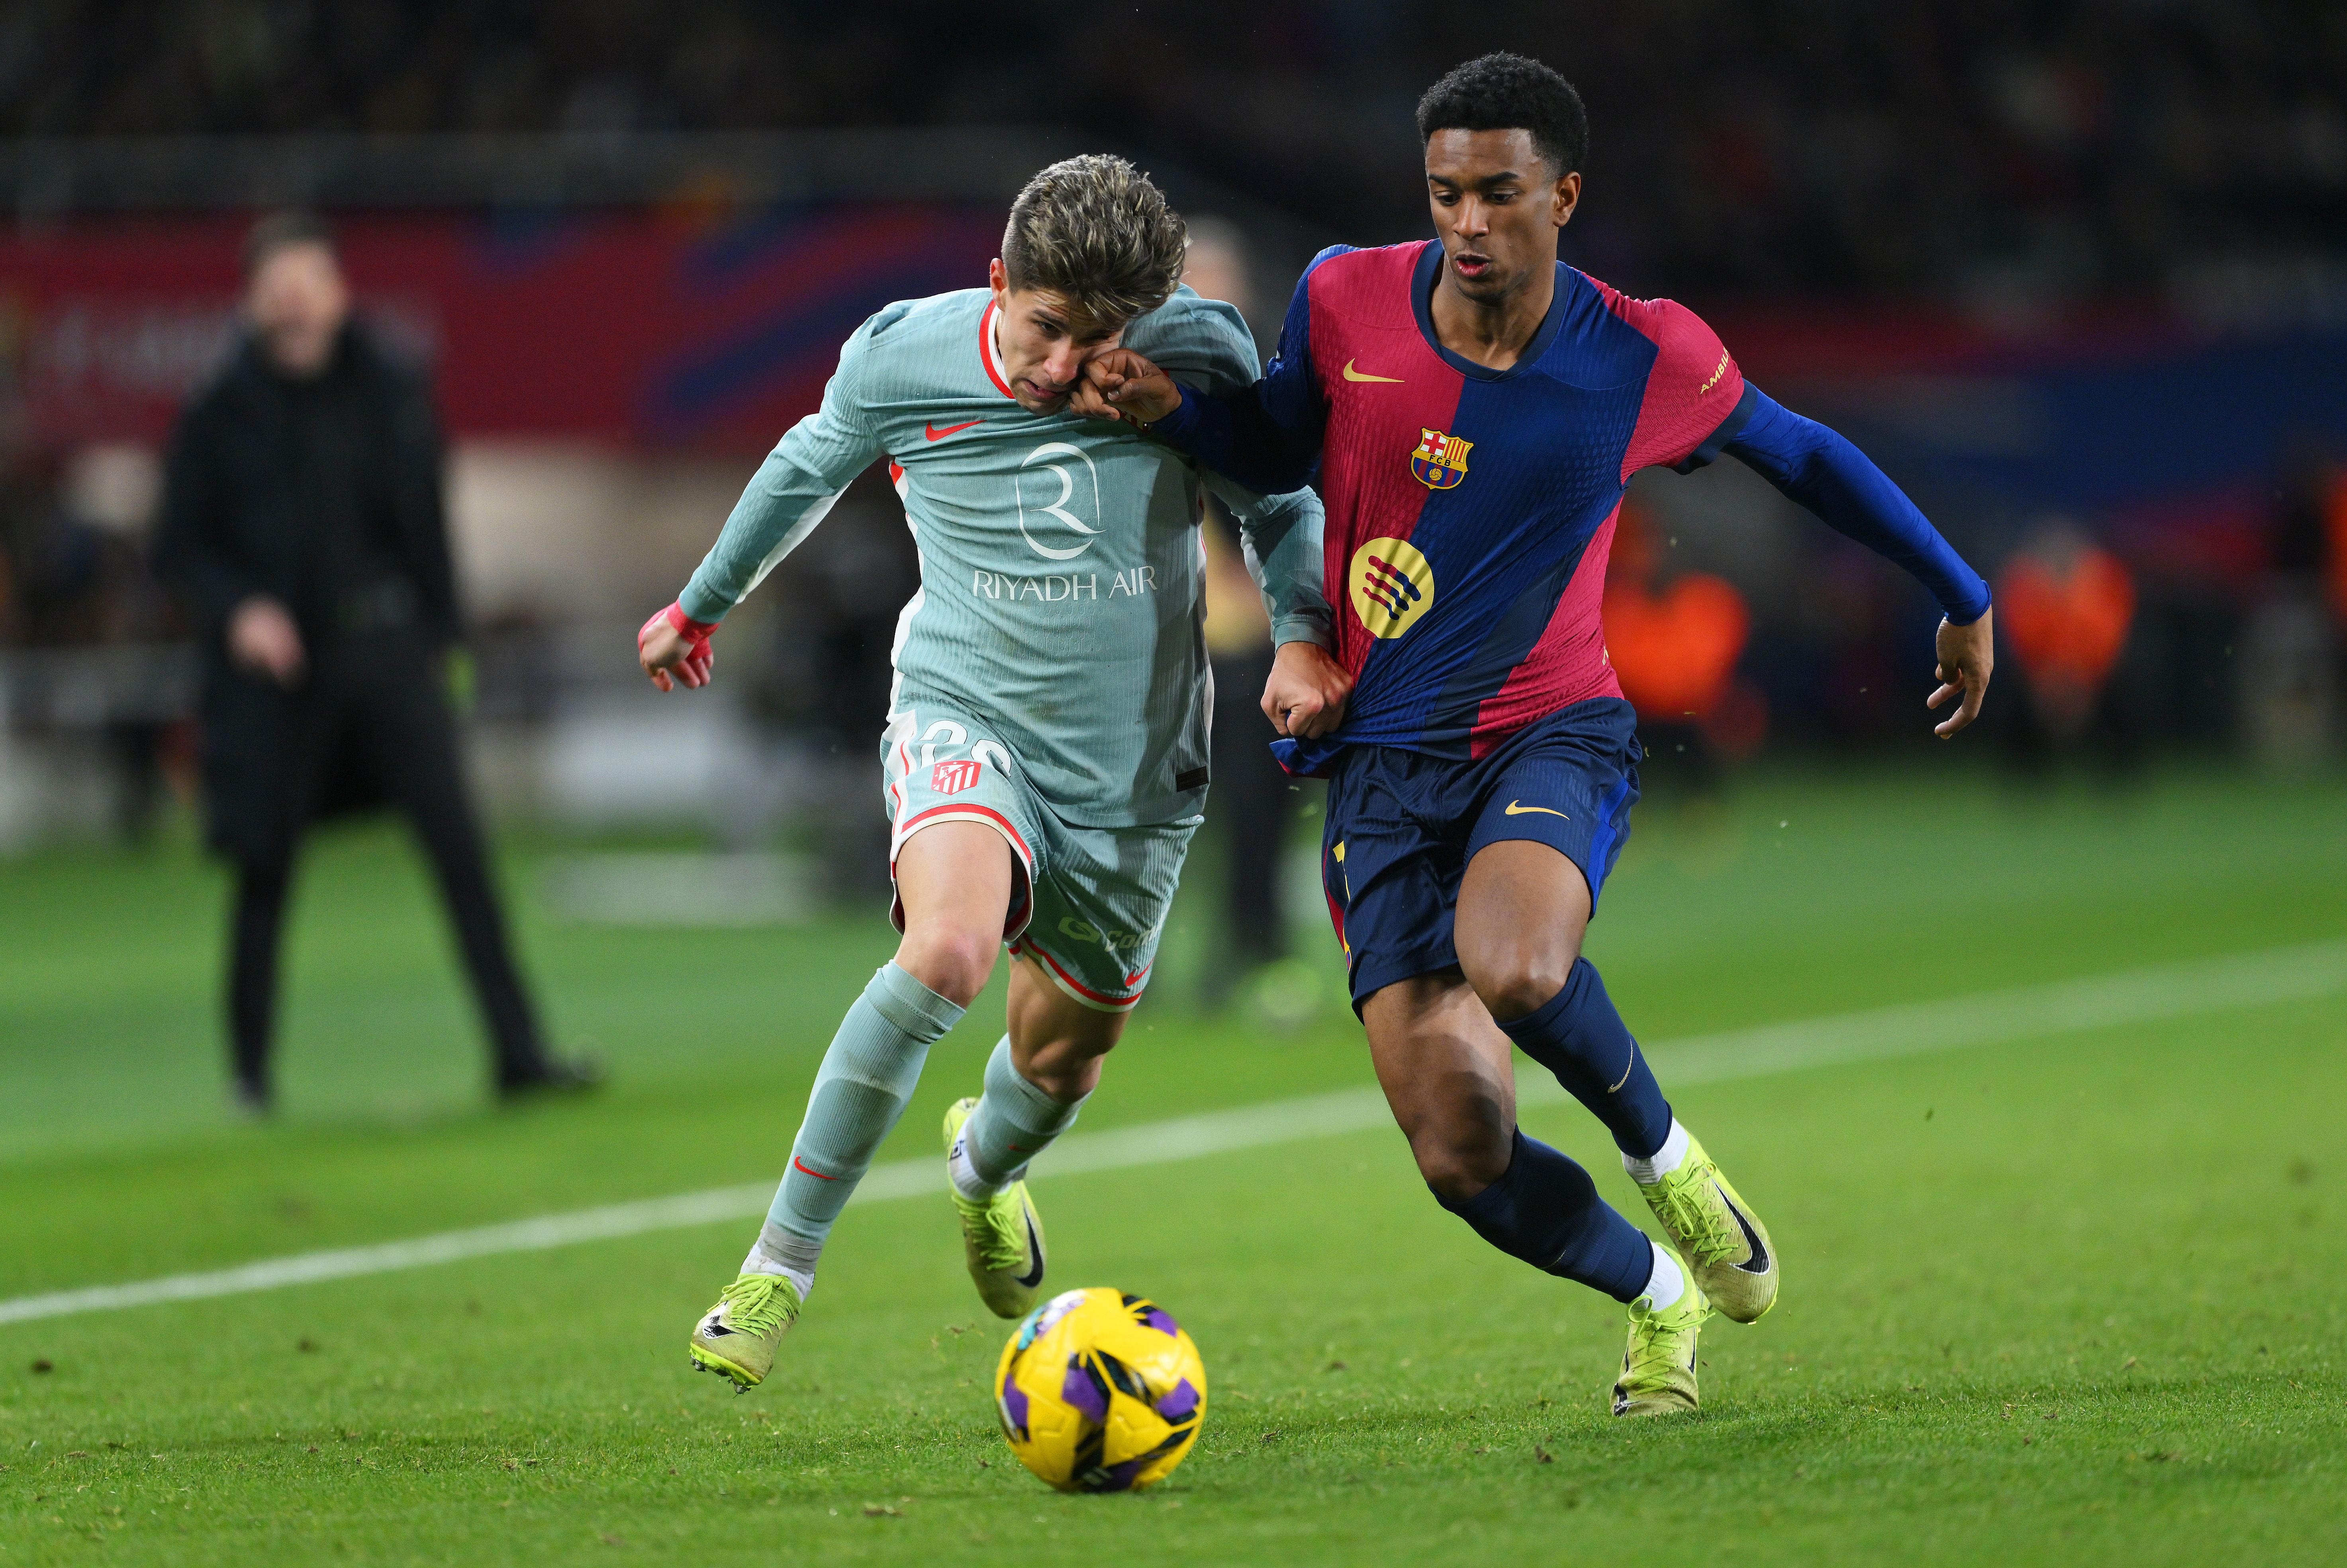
x=2067 y=606
x=1999 y=152
x=302 y=521
x=73 y=581
x=1674 y=644
x=2291 y=645
x=1252 y=800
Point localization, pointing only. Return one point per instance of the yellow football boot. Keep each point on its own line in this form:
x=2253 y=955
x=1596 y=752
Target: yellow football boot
x=738 y=1336
x=1726 y=1247
x=1003 y=1238
x=1659 y=1368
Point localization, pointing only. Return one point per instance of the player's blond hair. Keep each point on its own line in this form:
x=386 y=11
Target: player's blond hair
x=1094 y=230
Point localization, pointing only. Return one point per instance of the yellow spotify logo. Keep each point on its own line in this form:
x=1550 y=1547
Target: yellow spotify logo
x=1391 y=586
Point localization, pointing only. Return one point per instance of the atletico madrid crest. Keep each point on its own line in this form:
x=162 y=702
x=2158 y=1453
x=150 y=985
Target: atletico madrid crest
x=952 y=778
x=1440 y=460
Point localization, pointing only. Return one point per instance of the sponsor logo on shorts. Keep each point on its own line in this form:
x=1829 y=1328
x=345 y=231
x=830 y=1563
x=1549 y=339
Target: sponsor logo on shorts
x=952 y=778
x=1123 y=944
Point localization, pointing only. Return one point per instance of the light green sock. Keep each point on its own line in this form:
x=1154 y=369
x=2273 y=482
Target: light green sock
x=867 y=1077
x=1014 y=1122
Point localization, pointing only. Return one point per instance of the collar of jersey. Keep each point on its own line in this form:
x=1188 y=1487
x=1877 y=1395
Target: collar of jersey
x=989 y=354
x=1428 y=273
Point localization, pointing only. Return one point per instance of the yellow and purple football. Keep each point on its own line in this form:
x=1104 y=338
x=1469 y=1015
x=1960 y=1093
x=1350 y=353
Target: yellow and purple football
x=1100 y=1391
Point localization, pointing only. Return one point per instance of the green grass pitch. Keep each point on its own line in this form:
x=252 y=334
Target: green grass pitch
x=2070 y=1299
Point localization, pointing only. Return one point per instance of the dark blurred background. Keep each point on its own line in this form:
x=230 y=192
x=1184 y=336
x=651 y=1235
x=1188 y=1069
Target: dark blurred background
x=2074 y=273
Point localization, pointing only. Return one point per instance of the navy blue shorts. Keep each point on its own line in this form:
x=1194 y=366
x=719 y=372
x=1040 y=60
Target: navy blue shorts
x=1403 y=825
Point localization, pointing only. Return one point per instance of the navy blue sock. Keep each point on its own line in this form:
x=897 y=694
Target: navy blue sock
x=1546 y=1211
x=1578 y=1036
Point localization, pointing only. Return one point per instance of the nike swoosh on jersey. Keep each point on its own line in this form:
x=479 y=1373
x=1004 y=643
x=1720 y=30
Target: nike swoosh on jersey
x=1518 y=809
x=1352 y=374
x=935 y=434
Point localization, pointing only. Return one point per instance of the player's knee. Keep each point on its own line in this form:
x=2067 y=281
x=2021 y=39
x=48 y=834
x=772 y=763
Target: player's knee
x=952 y=961
x=1460 y=1160
x=1067 y=1065
x=1521 y=983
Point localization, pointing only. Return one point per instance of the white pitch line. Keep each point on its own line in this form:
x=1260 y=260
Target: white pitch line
x=2027 y=1012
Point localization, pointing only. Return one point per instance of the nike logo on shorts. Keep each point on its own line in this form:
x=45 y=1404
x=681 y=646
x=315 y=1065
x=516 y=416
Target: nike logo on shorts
x=1518 y=809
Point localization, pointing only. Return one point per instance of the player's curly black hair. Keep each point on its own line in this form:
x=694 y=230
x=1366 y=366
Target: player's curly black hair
x=1501 y=91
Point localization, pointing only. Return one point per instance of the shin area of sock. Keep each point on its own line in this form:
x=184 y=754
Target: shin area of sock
x=1578 y=1035
x=1015 y=1120
x=860 y=1090
x=1546 y=1210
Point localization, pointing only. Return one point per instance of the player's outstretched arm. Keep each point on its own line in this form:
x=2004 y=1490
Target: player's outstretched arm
x=1263 y=431
x=1816 y=467
x=1233 y=433
x=793 y=489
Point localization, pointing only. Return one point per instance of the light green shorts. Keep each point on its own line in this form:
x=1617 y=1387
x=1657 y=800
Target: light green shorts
x=1088 y=903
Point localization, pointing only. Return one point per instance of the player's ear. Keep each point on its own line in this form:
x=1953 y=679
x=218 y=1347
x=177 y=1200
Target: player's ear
x=998 y=280
x=1566 y=197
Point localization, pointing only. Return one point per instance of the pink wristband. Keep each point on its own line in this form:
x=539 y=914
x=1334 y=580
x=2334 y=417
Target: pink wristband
x=685 y=626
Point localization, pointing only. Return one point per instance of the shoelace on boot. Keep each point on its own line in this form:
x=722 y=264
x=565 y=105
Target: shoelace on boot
x=1708 y=1231
x=1662 y=1348
x=758 y=1303
x=1002 y=1229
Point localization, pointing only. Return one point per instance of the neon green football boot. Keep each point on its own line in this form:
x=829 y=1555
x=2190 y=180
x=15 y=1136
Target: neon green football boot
x=738 y=1336
x=1723 y=1243
x=1003 y=1238
x=1659 y=1368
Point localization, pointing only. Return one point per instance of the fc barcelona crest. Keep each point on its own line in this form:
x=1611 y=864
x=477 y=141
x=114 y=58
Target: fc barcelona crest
x=1440 y=460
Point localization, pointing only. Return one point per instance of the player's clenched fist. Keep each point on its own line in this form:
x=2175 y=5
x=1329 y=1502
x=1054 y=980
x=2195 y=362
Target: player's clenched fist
x=1306 y=695
x=673 y=649
x=1121 y=384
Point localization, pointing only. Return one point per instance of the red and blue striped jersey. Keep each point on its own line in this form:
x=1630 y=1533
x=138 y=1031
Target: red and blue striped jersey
x=1471 y=511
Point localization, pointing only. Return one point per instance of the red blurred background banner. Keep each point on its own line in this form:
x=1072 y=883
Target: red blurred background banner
x=712 y=328
x=636 y=328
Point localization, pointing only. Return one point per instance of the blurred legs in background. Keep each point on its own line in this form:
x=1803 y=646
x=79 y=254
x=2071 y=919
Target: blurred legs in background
x=254 y=930
x=1254 y=802
x=379 y=713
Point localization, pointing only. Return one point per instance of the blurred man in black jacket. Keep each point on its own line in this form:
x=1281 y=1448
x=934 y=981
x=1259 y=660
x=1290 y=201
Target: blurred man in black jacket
x=302 y=521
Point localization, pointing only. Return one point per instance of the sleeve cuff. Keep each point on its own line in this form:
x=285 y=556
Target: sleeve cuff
x=1729 y=430
x=1309 y=628
x=1959 y=616
x=701 y=608
x=1177 y=426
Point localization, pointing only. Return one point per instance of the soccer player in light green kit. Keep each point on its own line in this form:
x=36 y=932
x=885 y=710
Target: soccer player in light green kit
x=1045 y=758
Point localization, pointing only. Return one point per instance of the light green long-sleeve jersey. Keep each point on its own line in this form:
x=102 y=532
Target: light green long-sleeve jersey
x=1062 y=571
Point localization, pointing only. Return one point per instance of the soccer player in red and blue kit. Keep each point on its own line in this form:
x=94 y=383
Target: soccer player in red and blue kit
x=1476 y=409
